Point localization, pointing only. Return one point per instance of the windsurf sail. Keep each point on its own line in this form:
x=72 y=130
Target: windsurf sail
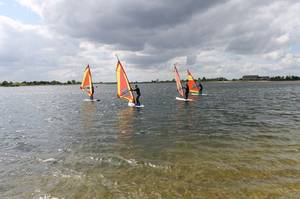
x=192 y=83
x=178 y=81
x=87 y=83
x=124 y=89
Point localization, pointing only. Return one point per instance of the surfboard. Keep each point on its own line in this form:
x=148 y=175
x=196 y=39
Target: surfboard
x=198 y=94
x=93 y=100
x=183 y=99
x=134 y=105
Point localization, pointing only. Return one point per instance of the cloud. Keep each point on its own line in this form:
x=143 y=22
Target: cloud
x=213 y=38
x=30 y=51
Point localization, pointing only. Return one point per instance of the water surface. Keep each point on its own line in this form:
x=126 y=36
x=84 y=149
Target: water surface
x=241 y=140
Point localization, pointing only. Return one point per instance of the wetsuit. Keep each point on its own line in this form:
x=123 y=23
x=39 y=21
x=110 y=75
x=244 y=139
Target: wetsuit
x=200 y=87
x=187 y=91
x=138 y=95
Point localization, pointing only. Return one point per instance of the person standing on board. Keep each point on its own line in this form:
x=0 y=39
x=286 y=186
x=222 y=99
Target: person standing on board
x=200 y=87
x=138 y=95
x=187 y=91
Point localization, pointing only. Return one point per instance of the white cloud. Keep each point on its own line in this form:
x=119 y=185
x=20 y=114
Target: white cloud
x=274 y=55
x=283 y=39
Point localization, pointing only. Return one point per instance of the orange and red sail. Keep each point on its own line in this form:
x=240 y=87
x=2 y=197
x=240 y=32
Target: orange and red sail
x=178 y=81
x=192 y=83
x=87 y=83
x=124 y=89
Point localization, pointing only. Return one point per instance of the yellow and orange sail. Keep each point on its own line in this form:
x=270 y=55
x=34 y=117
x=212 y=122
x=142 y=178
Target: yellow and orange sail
x=124 y=90
x=192 y=83
x=178 y=81
x=87 y=83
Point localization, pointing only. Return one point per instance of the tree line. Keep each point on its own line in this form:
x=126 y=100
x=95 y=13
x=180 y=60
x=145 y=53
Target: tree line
x=285 y=78
x=70 y=82
x=36 y=83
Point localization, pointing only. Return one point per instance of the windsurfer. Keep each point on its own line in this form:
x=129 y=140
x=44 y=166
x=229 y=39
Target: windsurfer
x=187 y=90
x=138 y=95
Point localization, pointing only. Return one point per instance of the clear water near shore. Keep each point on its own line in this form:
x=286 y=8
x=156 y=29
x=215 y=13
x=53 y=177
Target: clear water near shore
x=241 y=140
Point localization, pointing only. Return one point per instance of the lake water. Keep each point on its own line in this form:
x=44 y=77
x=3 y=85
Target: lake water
x=241 y=140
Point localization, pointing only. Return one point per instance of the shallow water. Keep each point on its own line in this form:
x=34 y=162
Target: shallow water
x=241 y=140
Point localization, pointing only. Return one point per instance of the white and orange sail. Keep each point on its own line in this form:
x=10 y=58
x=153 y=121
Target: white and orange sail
x=124 y=89
x=178 y=81
x=192 y=83
x=87 y=83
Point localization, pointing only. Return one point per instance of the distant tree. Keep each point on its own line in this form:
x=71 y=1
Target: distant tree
x=222 y=79
x=73 y=81
x=54 y=82
x=295 y=78
x=4 y=83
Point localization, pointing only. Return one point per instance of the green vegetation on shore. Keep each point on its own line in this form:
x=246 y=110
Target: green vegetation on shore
x=286 y=78
x=36 y=83
x=71 y=82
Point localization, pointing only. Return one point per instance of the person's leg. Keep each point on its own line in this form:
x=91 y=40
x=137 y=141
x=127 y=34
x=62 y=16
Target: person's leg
x=186 y=95
x=138 y=100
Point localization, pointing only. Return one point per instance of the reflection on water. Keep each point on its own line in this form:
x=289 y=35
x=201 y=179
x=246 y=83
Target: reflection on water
x=88 y=114
x=125 y=123
x=239 y=141
x=185 y=115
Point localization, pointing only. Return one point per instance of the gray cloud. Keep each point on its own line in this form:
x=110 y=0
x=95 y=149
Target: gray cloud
x=224 y=37
x=130 y=25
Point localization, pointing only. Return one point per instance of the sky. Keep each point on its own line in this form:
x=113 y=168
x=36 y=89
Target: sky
x=56 y=39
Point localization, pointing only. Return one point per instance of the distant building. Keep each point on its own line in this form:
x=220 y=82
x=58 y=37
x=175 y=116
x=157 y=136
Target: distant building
x=264 y=78
x=250 y=77
x=255 y=78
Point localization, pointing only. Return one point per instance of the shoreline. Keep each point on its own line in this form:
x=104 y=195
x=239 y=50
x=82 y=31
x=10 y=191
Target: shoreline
x=204 y=82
